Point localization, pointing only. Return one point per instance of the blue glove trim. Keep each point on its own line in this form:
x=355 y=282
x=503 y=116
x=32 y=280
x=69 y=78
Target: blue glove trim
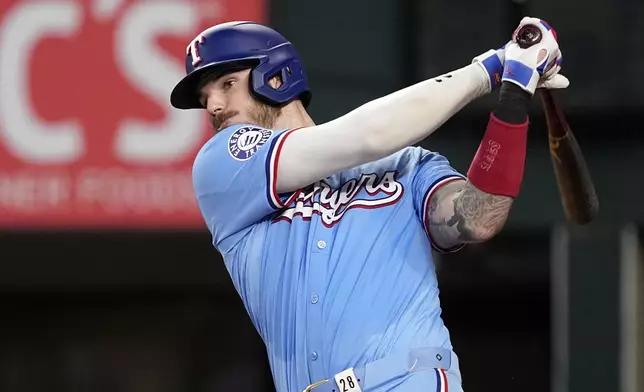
x=494 y=70
x=542 y=67
x=517 y=72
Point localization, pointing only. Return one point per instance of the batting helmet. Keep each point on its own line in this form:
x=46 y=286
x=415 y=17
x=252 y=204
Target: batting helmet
x=250 y=44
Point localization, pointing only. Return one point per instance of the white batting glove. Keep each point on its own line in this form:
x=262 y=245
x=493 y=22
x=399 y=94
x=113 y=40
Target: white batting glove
x=553 y=79
x=536 y=66
x=555 y=82
x=492 y=63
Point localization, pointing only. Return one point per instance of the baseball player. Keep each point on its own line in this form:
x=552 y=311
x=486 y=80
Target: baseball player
x=327 y=230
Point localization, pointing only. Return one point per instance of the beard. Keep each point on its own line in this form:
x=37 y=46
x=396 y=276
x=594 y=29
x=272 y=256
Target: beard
x=265 y=115
x=260 y=114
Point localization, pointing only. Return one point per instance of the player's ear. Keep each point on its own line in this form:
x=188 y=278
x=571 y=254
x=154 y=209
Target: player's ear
x=276 y=81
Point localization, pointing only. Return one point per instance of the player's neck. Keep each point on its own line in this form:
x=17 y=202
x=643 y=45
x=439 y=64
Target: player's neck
x=294 y=116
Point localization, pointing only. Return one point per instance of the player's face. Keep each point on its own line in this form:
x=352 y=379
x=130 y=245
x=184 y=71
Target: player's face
x=228 y=100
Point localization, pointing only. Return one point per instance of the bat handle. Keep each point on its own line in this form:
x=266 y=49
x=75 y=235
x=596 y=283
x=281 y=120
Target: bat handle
x=553 y=114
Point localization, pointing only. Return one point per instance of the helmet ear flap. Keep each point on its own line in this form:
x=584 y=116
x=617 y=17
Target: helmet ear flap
x=293 y=82
x=288 y=75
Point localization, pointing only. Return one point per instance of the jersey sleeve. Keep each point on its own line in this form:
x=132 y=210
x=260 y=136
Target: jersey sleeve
x=433 y=171
x=234 y=180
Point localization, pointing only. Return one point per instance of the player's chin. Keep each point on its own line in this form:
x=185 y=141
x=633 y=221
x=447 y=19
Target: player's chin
x=239 y=120
x=224 y=125
x=229 y=123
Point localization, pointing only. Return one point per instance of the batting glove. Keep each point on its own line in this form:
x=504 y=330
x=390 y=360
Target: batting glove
x=552 y=79
x=536 y=66
x=492 y=63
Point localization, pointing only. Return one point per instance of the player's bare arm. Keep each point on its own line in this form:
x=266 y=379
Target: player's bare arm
x=459 y=212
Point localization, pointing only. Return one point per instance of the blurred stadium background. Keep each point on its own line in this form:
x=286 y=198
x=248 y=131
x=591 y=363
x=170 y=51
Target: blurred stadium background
x=108 y=281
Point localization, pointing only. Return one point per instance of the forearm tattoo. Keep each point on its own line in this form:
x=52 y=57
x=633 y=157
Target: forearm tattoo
x=477 y=214
x=468 y=215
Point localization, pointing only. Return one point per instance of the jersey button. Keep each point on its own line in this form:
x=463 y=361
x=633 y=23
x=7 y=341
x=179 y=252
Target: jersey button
x=314 y=356
x=315 y=299
x=321 y=244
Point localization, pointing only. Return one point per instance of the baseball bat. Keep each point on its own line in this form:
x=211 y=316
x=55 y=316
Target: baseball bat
x=576 y=187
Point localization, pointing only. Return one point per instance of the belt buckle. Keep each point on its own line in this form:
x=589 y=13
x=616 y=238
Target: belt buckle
x=315 y=385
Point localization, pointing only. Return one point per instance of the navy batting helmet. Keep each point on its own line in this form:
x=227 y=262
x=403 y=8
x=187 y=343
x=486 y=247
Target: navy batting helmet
x=231 y=44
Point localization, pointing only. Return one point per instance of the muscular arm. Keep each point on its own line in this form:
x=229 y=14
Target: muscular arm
x=376 y=129
x=461 y=213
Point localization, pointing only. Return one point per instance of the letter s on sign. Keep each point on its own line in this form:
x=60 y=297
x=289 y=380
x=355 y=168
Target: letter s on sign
x=154 y=73
x=24 y=134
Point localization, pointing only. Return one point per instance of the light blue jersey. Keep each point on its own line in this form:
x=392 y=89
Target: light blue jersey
x=335 y=275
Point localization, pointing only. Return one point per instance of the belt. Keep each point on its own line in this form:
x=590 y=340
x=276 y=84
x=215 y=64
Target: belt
x=382 y=370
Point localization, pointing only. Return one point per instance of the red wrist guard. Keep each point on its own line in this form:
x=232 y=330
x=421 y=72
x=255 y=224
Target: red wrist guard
x=497 y=167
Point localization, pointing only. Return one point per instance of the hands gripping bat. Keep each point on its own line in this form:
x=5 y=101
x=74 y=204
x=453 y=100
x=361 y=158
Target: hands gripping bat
x=576 y=187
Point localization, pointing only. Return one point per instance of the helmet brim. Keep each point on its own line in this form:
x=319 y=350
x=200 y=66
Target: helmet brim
x=185 y=95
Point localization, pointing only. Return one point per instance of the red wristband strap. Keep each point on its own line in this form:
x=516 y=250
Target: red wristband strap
x=499 y=162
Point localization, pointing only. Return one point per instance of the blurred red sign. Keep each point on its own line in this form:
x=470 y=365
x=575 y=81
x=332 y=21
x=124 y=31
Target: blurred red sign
x=87 y=135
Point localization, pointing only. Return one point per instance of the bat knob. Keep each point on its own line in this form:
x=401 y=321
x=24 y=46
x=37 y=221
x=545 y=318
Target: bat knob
x=528 y=35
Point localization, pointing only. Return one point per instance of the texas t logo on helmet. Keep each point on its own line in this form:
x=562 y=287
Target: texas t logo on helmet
x=230 y=44
x=192 y=50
